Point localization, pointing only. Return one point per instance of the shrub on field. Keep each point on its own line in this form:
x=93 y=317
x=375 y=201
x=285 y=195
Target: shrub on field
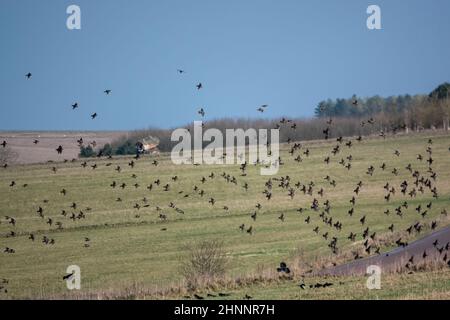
x=107 y=150
x=204 y=262
x=87 y=152
x=126 y=147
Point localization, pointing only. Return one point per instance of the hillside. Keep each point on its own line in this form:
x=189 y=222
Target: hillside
x=137 y=245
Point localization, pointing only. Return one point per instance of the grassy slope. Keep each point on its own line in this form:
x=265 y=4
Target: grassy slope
x=422 y=285
x=127 y=250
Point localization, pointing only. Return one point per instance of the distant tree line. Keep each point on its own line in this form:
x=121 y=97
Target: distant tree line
x=349 y=117
x=418 y=111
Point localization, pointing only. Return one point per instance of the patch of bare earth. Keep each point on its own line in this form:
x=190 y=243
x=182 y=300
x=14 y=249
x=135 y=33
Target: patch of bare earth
x=45 y=150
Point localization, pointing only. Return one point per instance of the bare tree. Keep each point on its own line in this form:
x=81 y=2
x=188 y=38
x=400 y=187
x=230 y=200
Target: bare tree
x=205 y=260
x=446 y=109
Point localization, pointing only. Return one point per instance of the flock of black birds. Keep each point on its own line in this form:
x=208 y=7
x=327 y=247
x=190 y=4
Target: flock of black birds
x=419 y=183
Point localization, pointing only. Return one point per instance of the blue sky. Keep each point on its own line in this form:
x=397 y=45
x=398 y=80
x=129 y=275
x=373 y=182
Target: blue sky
x=287 y=54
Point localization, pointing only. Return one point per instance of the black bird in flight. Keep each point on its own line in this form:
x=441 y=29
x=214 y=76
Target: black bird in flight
x=94 y=115
x=4 y=143
x=28 y=75
x=199 y=86
x=75 y=105
x=107 y=91
x=180 y=71
x=68 y=276
x=59 y=150
x=262 y=108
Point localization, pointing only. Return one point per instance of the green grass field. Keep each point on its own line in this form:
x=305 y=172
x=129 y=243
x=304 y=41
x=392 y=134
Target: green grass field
x=128 y=248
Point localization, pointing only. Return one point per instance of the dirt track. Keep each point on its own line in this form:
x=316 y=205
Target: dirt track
x=396 y=258
x=28 y=152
